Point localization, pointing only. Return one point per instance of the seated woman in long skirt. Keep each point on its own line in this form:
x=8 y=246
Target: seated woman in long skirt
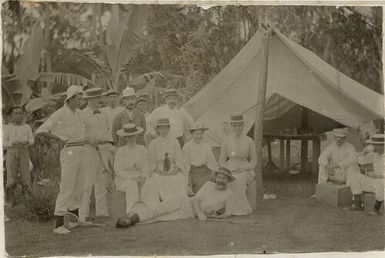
x=133 y=171
x=166 y=163
x=199 y=158
x=238 y=153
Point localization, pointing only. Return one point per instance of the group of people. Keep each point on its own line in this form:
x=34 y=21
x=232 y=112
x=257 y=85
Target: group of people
x=160 y=158
x=340 y=163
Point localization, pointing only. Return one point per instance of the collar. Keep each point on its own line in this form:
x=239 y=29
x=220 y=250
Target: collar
x=67 y=108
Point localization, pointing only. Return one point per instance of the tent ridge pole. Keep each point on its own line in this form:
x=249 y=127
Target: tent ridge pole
x=258 y=126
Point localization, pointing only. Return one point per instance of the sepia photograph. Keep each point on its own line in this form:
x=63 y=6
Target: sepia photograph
x=154 y=129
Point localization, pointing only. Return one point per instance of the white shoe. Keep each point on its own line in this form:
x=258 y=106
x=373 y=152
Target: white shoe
x=71 y=221
x=61 y=230
x=72 y=225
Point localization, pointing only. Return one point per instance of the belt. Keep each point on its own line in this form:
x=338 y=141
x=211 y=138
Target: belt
x=198 y=166
x=74 y=144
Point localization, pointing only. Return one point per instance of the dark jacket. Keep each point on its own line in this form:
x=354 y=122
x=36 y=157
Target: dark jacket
x=123 y=118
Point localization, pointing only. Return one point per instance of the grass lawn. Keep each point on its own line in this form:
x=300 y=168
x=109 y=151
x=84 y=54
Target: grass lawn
x=291 y=223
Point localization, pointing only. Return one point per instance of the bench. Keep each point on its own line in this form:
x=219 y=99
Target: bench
x=334 y=194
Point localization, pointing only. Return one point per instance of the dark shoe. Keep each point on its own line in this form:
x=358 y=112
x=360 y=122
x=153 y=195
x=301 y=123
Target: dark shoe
x=124 y=222
x=356 y=207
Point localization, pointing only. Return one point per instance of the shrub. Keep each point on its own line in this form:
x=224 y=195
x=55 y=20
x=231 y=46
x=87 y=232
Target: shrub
x=40 y=200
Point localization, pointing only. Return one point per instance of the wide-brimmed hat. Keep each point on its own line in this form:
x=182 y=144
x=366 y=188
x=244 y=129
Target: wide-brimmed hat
x=73 y=90
x=170 y=92
x=340 y=132
x=129 y=130
x=128 y=92
x=226 y=172
x=93 y=93
x=162 y=121
x=236 y=118
x=197 y=126
x=377 y=139
x=110 y=92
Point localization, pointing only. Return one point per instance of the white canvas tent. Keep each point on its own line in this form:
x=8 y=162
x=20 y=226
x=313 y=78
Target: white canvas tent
x=296 y=77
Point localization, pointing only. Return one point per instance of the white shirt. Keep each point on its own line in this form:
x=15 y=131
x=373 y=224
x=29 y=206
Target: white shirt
x=210 y=197
x=111 y=113
x=238 y=152
x=95 y=125
x=179 y=119
x=65 y=124
x=131 y=162
x=198 y=154
x=12 y=133
x=379 y=165
x=343 y=156
x=159 y=147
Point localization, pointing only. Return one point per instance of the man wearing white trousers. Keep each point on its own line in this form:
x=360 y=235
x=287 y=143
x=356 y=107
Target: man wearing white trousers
x=338 y=161
x=133 y=170
x=373 y=181
x=96 y=132
x=66 y=124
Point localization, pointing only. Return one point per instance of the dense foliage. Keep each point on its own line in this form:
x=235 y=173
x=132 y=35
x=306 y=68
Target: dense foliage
x=111 y=45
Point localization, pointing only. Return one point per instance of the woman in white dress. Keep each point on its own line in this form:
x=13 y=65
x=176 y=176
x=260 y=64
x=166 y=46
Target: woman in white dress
x=132 y=170
x=166 y=162
x=238 y=153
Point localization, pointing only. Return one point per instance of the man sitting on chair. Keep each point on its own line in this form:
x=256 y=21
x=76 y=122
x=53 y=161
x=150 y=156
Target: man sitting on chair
x=338 y=161
x=211 y=201
x=373 y=181
x=132 y=170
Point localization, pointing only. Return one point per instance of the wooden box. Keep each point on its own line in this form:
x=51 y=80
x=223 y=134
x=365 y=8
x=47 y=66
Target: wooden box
x=334 y=194
x=369 y=199
x=116 y=204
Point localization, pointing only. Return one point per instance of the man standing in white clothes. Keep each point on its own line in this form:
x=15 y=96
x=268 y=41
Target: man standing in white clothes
x=180 y=120
x=112 y=109
x=66 y=124
x=95 y=134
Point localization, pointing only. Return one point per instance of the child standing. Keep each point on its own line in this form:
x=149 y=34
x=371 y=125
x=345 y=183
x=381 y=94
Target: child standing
x=17 y=137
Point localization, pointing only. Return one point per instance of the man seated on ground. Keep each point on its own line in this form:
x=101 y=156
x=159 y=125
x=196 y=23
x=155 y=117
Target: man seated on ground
x=373 y=181
x=338 y=161
x=211 y=201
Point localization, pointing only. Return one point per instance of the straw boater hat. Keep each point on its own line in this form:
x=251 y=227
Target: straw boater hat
x=226 y=172
x=129 y=130
x=236 y=118
x=340 y=132
x=128 y=92
x=162 y=121
x=73 y=90
x=93 y=93
x=142 y=97
x=110 y=92
x=170 y=92
x=197 y=126
x=377 y=139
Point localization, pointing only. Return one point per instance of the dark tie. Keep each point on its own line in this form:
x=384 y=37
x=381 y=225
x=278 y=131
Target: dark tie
x=96 y=111
x=166 y=163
